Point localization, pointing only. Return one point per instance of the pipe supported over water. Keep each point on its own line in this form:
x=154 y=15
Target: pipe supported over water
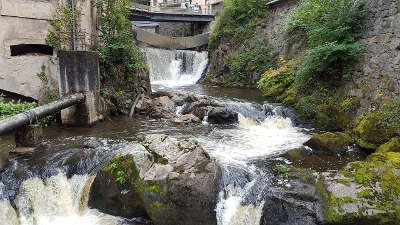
x=33 y=115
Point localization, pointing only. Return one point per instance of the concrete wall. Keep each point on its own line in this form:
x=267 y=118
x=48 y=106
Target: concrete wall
x=173 y=29
x=377 y=76
x=22 y=23
x=26 y=22
x=80 y=73
x=166 y=42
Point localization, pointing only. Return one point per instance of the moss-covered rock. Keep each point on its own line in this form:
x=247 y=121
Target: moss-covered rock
x=170 y=181
x=371 y=131
x=391 y=146
x=371 y=194
x=329 y=142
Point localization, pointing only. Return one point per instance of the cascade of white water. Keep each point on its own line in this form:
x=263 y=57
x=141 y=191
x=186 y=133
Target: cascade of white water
x=175 y=67
x=56 y=200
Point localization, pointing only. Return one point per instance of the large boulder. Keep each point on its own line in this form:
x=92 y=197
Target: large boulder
x=333 y=143
x=171 y=181
x=391 y=146
x=371 y=131
x=184 y=108
x=220 y=115
x=365 y=192
x=294 y=204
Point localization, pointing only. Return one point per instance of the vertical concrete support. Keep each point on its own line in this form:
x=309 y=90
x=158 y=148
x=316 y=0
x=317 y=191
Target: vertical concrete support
x=6 y=144
x=29 y=136
x=79 y=72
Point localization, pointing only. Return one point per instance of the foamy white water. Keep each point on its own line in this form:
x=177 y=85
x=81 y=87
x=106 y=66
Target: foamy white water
x=172 y=68
x=55 y=201
x=253 y=140
x=237 y=147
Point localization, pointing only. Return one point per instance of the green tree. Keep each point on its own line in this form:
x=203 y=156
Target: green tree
x=120 y=57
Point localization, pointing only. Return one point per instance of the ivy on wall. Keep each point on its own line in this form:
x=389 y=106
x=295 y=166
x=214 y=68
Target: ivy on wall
x=63 y=23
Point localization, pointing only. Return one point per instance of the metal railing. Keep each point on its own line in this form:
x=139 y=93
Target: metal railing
x=169 y=9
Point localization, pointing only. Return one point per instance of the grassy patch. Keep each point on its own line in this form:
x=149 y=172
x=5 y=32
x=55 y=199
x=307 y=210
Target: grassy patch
x=11 y=108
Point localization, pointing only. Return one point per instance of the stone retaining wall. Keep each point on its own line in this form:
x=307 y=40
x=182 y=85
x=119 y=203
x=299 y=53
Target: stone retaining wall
x=377 y=76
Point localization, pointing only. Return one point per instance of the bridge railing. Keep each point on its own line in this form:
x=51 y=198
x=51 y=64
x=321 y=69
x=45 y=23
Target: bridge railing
x=168 y=9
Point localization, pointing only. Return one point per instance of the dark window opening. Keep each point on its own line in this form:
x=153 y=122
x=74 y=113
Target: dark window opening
x=31 y=49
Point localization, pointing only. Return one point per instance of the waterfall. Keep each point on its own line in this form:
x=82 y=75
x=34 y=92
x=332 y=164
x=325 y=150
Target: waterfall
x=257 y=136
x=175 y=67
x=55 y=200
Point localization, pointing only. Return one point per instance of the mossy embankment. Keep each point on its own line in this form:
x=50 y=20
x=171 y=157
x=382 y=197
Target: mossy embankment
x=239 y=54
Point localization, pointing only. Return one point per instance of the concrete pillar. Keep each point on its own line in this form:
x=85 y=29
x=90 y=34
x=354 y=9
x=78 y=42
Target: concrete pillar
x=79 y=73
x=6 y=144
x=29 y=136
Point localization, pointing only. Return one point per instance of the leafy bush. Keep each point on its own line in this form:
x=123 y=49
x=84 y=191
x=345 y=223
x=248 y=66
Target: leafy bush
x=276 y=82
x=330 y=29
x=329 y=62
x=62 y=23
x=254 y=60
x=12 y=108
x=119 y=55
x=329 y=109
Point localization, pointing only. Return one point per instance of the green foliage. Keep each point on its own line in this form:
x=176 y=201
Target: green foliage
x=53 y=39
x=253 y=60
x=282 y=170
x=328 y=62
x=324 y=107
x=123 y=170
x=275 y=82
x=330 y=29
x=236 y=21
x=62 y=22
x=118 y=53
x=11 y=108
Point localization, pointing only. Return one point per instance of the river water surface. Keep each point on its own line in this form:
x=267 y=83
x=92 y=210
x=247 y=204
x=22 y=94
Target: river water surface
x=51 y=187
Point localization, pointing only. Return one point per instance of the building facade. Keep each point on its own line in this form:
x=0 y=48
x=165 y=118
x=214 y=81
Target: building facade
x=24 y=56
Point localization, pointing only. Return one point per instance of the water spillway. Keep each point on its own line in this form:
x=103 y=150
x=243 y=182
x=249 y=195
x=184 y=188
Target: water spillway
x=175 y=67
x=52 y=186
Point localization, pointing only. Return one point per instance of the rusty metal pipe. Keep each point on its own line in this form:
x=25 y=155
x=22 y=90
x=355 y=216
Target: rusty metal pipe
x=30 y=116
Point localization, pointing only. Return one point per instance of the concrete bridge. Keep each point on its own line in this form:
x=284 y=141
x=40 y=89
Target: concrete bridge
x=146 y=13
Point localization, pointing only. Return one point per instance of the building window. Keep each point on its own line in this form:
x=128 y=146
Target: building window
x=31 y=49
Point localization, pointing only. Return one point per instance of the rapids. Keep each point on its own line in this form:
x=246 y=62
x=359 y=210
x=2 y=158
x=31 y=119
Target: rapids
x=51 y=187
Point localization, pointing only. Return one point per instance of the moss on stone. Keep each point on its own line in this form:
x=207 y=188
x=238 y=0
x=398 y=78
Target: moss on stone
x=332 y=142
x=391 y=146
x=124 y=171
x=330 y=201
x=371 y=131
x=366 y=193
x=154 y=187
x=346 y=180
x=382 y=170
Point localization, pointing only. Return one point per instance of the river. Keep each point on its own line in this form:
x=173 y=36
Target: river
x=51 y=186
